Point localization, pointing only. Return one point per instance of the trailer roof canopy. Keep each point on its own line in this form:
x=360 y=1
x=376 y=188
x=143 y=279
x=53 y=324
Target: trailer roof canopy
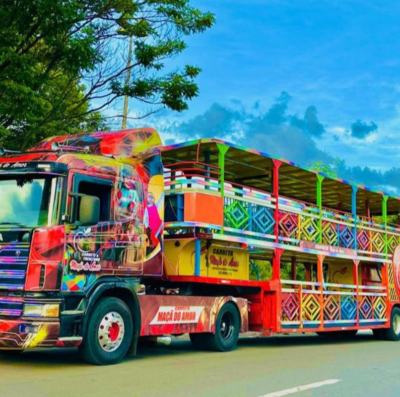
x=254 y=169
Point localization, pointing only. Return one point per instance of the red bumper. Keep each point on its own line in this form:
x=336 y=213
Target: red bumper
x=27 y=334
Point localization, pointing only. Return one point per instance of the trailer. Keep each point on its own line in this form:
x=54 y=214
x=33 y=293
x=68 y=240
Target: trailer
x=109 y=238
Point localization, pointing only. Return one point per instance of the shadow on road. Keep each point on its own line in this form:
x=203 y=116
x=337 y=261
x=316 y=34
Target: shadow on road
x=70 y=357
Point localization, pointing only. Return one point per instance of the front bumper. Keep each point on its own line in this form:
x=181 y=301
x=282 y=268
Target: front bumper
x=27 y=334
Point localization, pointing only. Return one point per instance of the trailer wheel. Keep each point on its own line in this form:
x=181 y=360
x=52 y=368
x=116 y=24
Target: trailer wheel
x=226 y=335
x=393 y=333
x=109 y=333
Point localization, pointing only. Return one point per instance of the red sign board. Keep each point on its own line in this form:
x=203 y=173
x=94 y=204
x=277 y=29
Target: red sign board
x=330 y=249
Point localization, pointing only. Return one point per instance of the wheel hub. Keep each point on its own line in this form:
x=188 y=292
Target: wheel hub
x=226 y=329
x=111 y=332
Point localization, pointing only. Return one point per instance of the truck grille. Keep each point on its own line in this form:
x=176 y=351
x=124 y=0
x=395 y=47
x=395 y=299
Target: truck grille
x=13 y=266
x=11 y=306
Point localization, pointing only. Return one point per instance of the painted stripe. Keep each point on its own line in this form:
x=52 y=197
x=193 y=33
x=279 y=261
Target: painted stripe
x=302 y=388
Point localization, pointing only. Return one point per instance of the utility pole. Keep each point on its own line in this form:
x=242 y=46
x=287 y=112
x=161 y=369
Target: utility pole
x=127 y=80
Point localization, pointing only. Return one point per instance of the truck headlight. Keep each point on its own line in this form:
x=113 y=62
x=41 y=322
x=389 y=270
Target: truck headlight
x=37 y=310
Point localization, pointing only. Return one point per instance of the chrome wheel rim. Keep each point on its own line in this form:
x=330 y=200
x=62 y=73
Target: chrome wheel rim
x=111 y=332
x=227 y=326
x=396 y=324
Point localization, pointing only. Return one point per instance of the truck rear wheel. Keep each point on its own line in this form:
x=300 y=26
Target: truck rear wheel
x=393 y=333
x=108 y=334
x=227 y=328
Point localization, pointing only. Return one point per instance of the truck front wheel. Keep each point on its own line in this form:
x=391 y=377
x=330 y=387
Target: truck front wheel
x=226 y=335
x=108 y=334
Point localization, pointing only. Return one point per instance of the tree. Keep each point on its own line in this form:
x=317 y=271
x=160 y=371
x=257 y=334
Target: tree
x=328 y=169
x=59 y=56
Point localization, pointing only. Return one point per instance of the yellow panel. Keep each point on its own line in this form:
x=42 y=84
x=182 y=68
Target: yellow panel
x=228 y=262
x=342 y=273
x=216 y=260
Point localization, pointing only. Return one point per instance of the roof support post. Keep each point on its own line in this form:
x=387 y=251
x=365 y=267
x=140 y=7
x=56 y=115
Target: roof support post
x=222 y=149
x=320 y=280
x=197 y=257
x=320 y=179
x=276 y=277
x=384 y=219
x=354 y=214
x=356 y=263
x=367 y=210
x=207 y=174
x=275 y=193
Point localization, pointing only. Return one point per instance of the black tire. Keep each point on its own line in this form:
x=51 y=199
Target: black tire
x=378 y=335
x=109 y=333
x=393 y=333
x=227 y=328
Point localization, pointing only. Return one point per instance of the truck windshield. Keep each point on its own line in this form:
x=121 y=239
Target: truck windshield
x=29 y=200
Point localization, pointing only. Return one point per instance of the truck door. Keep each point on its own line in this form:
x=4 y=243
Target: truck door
x=130 y=234
x=91 y=248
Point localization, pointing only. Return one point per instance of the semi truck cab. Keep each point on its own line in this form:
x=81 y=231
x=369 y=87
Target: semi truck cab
x=76 y=210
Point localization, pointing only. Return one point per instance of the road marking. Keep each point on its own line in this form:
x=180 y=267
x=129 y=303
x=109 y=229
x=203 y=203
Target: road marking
x=301 y=388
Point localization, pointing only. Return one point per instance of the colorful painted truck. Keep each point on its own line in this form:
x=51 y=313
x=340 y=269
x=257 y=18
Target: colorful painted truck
x=110 y=237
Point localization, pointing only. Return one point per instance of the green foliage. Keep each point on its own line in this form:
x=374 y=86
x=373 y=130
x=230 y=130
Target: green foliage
x=264 y=270
x=63 y=61
x=328 y=169
x=261 y=268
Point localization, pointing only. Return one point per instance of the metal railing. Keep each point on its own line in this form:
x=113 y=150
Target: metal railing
x=252 y=213
x=307 y=305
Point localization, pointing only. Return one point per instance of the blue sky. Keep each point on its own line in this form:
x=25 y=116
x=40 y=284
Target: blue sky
x=341 y=58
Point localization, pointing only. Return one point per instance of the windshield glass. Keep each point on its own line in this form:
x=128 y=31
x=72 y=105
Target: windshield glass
x=29 y=200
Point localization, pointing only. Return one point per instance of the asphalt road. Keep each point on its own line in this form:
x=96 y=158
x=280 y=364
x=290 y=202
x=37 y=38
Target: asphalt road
x=258 y=367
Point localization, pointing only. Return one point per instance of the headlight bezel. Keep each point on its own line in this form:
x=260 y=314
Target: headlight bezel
x=41 y=310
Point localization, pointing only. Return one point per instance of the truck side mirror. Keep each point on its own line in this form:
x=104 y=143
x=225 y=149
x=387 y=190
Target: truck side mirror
x=89 y=210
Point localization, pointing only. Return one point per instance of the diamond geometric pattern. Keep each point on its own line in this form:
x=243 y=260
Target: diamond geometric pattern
x=348 y=308
x=379 y=308
x=346 y=237
x=288 y=224
x=363 y=240
x=366 y=308
x=309 y=229
x=392 y=287
x=263 y=220
x=331 y=307
x=290 y=307
x=392 y=243
x=237 y=215
x=311 y=307
x=329 y=233
x=244 y=215
x=378 y=242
